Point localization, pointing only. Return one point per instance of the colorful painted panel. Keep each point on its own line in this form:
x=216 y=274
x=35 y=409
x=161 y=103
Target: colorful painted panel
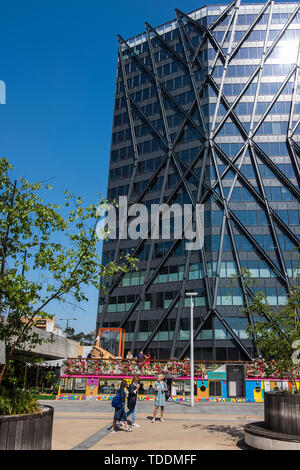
x=224 y=388
x=71 y=397
x=202 y=389
x=92 y=387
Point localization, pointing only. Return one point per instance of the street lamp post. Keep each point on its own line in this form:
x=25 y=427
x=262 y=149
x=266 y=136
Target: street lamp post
x=191 y=295
x=67 y=320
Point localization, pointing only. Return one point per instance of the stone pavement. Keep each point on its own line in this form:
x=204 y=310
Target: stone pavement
x=85 y=425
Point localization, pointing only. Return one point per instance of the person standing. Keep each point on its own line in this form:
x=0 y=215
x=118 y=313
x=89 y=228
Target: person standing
x=120 y=414
x=160 y=398
x=133 y=399
x=141 y=356
x=147 y=358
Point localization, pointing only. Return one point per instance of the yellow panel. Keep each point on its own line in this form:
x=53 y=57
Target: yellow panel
x=200 y=393
x=258 y=392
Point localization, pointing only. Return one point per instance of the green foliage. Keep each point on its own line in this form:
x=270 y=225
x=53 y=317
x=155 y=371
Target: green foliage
x=49 y=376
x=85 y=339
x=22 y=372
x=20 y=402
x=46 y=397
x=277 y=331
x=49 y=253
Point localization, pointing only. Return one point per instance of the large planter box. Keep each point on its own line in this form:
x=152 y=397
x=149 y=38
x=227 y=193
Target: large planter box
x=27 y=432
x=282 y=412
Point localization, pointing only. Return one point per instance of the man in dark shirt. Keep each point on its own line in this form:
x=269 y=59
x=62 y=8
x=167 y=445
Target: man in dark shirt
x=133 y=399
x=141 y=356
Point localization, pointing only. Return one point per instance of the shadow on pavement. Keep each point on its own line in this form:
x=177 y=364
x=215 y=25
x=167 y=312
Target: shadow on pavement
x=180 y=403
x=243 y=446
x=231 y=431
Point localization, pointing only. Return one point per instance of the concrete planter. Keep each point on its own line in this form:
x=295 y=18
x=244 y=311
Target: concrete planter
x=282 y=413
x=27 y=432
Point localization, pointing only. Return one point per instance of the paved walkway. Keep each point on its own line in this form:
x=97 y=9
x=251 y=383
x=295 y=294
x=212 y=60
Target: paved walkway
x=83 y=426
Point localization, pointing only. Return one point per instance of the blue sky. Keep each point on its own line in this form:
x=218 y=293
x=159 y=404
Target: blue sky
x=58 y=60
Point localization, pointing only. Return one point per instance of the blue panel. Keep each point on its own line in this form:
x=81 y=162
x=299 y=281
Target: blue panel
x=224 y=389
x=250 y=386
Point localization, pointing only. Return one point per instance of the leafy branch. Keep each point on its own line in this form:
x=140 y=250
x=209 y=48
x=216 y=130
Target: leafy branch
x=48 y=252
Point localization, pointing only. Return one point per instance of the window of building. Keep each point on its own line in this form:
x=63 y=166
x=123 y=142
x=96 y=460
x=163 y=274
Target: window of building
x=215 y=388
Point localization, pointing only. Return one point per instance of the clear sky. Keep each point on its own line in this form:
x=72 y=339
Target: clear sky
x=58 y=60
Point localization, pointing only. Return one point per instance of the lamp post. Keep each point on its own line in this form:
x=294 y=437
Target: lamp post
x=191 y=295
x=67 y=320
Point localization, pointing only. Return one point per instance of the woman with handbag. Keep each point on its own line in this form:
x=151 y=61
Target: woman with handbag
x=118 y=403
x=160 y=399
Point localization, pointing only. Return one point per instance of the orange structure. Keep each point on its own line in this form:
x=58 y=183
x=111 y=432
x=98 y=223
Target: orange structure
x=112 y=340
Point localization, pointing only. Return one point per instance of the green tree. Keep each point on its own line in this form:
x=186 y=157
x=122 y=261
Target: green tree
x=89 y=339
x=277 y=333
x=85 y=339
x=49 y=253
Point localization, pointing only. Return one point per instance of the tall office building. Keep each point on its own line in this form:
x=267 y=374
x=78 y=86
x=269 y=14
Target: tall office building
x=207 y=110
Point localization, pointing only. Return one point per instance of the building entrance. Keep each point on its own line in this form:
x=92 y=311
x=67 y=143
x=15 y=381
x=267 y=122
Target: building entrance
x=235 y=380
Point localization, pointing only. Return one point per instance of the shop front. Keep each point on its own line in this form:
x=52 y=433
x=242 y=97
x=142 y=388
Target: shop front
x=231 y=382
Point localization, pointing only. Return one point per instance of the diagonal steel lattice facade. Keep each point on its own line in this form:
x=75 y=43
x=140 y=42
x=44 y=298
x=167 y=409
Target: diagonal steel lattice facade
x=207 y=110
